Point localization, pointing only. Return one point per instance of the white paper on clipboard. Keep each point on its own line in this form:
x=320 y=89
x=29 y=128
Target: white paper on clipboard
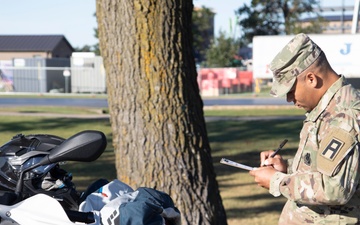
x=235 y=164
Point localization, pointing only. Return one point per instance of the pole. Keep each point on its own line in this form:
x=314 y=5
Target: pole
x=355 y=21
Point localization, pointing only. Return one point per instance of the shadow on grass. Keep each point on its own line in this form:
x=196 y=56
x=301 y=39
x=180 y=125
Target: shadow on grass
x=16 y=124
x=84 y=172
x=242 y=141
x=246 y=139
x=254 y=211
x=254 y=131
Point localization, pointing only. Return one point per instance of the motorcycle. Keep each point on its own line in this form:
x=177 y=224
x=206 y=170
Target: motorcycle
x=35 y=190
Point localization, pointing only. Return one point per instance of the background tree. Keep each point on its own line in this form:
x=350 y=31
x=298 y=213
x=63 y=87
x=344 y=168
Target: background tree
x=96 y=46
x=223 y=52
x=268 y=17
x=203 y=31
x=85 y=48
x=159 y=133
x=90 y=48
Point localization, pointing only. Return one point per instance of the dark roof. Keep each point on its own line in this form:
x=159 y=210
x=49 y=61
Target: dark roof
x=338 y=18
x=30 y=43
x=330 y=18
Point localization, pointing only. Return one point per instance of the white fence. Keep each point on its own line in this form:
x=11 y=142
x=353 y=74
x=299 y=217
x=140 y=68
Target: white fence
x=53 y=75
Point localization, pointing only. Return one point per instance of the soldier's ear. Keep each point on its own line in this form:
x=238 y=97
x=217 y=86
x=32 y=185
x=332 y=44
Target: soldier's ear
x=312 y=80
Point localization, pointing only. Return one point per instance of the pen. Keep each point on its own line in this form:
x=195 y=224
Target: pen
x=279 y=148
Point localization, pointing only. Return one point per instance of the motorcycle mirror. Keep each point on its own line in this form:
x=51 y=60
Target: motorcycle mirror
x=85 y=146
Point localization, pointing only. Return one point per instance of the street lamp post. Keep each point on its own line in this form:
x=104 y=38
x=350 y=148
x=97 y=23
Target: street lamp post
x=66 y=74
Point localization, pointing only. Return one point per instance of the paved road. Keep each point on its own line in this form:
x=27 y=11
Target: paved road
x=81 y=102
x=102 y=102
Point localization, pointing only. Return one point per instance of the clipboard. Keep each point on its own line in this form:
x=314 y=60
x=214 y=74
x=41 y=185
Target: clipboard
x=235 y=164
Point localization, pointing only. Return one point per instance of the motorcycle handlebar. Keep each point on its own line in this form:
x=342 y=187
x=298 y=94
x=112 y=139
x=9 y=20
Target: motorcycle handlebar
x=83 y=217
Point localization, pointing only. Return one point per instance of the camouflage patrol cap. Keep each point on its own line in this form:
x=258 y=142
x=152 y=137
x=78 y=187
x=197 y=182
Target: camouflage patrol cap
x=291 y=61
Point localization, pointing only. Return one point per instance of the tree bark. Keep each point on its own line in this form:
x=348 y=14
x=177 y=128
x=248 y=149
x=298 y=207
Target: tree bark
x=156 y=112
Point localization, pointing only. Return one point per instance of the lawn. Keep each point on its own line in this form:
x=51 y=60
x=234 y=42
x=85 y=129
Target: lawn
x=238 y=140
x=242 y=141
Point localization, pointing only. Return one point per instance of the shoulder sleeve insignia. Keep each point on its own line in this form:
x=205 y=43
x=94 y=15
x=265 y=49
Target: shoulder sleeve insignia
x=333 y=149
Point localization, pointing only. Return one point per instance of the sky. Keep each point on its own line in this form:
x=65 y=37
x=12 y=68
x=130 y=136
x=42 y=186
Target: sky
x=76 y=21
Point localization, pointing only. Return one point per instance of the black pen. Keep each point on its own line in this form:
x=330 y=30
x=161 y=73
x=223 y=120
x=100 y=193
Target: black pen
x=279 y=148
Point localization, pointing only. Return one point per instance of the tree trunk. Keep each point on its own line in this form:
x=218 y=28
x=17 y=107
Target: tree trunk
x=159 y=133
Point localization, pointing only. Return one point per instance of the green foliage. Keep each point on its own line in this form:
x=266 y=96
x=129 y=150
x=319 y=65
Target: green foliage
x=258 y=21
x=223 y=52
x=254 y=111
x=90 y=48
x=268 y=17
x=202 y=29
x=315 y=26
x=85 y=48
x=96 y=35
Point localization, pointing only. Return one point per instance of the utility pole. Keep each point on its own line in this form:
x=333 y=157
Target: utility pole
x=355 y=21
x=342 y=17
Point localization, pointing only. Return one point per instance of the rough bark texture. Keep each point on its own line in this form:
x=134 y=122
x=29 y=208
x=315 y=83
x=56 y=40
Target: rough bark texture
x=159 y=132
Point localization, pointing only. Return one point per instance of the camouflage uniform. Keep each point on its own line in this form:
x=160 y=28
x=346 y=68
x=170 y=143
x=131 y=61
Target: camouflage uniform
x=322 y=181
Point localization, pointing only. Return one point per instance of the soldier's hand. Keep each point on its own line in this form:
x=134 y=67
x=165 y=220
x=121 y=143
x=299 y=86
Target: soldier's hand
x=263 y=175
x=277 y=161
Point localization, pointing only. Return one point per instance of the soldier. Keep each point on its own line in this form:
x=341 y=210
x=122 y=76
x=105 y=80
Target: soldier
x=321 y=183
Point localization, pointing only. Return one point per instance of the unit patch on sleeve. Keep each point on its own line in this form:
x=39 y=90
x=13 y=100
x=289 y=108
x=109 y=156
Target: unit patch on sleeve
x=333 y=149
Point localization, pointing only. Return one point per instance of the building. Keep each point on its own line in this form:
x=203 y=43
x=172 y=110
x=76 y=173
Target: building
x=34 y=63
x=339 y=24
x=334 y=24
x=338 y=19
x=34 y=46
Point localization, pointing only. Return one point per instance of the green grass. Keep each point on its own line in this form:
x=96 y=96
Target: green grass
x=84 y=173
x=241 y=141
x=223 y=111
x=253 y=111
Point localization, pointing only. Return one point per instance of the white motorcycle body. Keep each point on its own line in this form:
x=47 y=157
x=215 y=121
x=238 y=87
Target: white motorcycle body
x=105 y=206
x=36 y=210
x=101 y=206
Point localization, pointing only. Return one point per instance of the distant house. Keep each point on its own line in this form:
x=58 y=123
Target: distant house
x=34 y=46
x=333 y=24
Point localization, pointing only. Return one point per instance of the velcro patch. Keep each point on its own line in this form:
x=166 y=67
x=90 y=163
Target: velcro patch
x=333 y=150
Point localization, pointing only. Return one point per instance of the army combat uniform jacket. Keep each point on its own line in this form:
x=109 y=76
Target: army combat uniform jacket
x=322 y=182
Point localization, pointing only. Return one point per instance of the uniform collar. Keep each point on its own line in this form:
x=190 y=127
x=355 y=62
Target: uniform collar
x=325 y=99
